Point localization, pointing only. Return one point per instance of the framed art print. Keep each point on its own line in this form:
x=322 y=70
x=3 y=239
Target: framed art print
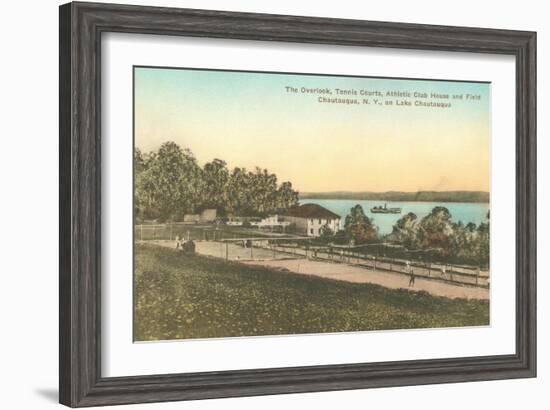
x=256 y=204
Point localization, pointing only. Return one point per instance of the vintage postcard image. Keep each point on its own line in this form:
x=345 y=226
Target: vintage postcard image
x=288 y=203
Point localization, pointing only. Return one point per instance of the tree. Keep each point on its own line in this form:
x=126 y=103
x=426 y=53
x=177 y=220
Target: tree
x=483 y=244
x=463 y=242
x=139 y=161
x=214 y=179
x=264 y=188
x=168 y=186
x=405 y=230
x=435 y=229
x=326 y=232
x=169 y=183
x=286 y=196
x=256 y=193
x=457 y=242
x=237 y=192
x=139 y=167
x=359 y=227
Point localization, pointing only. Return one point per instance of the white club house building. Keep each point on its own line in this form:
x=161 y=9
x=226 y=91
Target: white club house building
x=309 y=218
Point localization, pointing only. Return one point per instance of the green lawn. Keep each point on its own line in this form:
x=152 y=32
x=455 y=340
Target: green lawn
x=179 y=297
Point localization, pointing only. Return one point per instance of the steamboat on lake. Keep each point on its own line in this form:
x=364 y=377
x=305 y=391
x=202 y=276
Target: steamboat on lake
x=385 y=210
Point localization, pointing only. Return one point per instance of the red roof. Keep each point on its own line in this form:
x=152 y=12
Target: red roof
x=311 y=211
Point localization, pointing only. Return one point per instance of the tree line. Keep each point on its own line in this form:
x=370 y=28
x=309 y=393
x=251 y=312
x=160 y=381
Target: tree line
x=419 y=196
x=170 y=183
x=449 y=240
x=433 y=237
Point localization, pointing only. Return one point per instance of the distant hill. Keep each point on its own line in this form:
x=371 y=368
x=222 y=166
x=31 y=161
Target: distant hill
x=420 y=196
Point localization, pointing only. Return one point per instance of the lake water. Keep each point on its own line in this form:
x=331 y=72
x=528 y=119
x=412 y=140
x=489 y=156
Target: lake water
x=465 y=212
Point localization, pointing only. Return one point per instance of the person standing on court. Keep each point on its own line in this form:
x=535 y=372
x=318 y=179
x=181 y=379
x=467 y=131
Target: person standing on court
x=411 y=273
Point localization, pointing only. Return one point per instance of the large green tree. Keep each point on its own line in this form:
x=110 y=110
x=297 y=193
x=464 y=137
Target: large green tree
x=286 y=196
x=238 y=195
x=264 y=191
x=257 y=193
x=405 y=230
x=464 y=241
x=455 y=242
x=169 y=183
x=435 y=229
x=359 y=227
x=214 y=179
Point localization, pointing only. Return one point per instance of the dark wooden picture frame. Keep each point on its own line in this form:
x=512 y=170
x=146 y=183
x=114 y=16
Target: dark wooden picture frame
x=81 y=27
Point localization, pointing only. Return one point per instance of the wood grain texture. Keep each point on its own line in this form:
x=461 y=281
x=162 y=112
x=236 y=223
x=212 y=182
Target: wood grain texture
x=81 y=26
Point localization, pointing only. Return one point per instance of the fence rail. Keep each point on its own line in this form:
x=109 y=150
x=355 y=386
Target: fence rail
x=456 y=274
x=281 y=246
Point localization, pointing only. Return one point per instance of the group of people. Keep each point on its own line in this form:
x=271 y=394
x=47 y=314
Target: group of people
x=186 y=246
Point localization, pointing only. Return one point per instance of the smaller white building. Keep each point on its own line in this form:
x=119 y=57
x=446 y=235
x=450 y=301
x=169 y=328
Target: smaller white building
x=206 y=216
x=234 y=222
x=270 y=222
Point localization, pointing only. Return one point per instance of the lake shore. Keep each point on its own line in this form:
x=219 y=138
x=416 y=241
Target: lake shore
x=401 y=196
x=460 y=211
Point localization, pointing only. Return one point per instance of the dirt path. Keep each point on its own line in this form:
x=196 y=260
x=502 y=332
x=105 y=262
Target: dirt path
x=337 y=271
x=348 y=273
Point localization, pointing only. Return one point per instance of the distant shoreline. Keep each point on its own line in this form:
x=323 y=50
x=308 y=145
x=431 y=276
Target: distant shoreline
x=397 y=196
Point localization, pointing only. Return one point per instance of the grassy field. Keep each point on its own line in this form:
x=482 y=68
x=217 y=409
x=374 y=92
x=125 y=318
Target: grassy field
x=179 y=297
